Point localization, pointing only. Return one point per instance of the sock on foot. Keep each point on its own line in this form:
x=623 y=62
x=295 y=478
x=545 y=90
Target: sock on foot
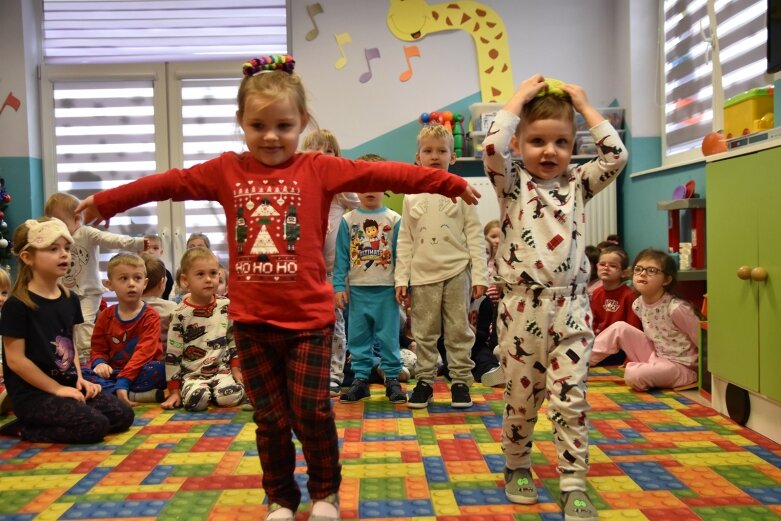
x=325 y=509
x=282 y=513
x=153 y=396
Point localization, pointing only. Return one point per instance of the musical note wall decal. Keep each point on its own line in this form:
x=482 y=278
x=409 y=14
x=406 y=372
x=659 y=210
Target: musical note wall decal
x=370 y=54
x=409 y=52
x=313 y=10
x=341 y=40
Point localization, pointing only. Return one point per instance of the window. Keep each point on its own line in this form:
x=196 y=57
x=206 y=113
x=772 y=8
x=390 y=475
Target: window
x=99 y=31
x=712 y=50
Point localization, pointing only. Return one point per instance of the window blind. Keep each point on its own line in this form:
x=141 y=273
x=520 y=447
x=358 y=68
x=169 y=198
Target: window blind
x=688 y=74
x=742 y=33
x=117 y=31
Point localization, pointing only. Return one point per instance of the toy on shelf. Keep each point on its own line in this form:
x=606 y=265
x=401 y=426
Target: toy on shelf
x=453 y=121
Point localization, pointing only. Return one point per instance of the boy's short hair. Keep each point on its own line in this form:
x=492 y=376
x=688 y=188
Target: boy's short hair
x=128 y=259
x=321 y=139
x=5 y=279
x=155 y=269
x=549 y=107
x=194 y=254
x=153 y=237
x=436 y=131
x=373 y=158
x=60 y=201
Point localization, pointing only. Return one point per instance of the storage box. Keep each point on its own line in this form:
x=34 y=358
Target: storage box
x=483 y=114
x=748 y=112
x=614 y=115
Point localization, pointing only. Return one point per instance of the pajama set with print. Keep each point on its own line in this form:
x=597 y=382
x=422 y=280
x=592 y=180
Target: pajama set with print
x=282 y=304
x=664 y=353
x=544 y=322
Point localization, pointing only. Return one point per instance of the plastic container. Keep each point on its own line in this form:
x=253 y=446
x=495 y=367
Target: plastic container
x=614 y=115
x=748 y=112
x=477 y=137
x=483 y=114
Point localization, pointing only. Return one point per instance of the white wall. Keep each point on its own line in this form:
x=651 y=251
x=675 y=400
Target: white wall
x=575 y=41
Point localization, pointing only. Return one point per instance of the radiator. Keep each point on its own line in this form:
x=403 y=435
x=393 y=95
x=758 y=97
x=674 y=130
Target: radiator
x=602 y=215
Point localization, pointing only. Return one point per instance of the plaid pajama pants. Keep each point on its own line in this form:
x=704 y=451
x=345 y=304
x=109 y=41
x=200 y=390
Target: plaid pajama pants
x=286 y=375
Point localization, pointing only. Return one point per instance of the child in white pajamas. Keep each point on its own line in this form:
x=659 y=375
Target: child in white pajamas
x=544 y=320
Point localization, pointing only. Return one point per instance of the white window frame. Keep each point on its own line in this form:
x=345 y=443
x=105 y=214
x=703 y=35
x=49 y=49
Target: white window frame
x=717 y=99
x=167 y=120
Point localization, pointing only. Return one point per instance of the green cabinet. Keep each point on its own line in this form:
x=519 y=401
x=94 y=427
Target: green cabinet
x=744 y=271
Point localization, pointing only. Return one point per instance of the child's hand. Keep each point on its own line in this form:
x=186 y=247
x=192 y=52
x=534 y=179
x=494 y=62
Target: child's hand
x=66 y=391
x=103 y=370
x=173 y=401
x=478 y=291
x=91 y=215
x=402 y=297
x=122 y=395
x=493 y=292
x=526 y=92
x=470 y=195
x=237 y=376
x=90 y=390
x=341 y=299
x=582 y=105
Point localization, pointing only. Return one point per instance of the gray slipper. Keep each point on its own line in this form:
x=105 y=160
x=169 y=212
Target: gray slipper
x=578 y=507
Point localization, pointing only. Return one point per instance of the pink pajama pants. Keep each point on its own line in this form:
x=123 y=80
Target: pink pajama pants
x=645 y=369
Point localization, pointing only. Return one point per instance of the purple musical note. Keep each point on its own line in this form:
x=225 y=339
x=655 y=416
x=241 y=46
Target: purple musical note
x=370 y=54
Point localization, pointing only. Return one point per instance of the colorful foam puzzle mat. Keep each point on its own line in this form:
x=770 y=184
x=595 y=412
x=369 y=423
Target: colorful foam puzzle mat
x=655 y=456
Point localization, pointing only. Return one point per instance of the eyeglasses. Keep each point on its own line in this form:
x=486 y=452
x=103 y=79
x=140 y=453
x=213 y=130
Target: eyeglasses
x=650 y=270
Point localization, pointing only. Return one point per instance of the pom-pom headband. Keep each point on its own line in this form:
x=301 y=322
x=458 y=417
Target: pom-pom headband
x=275 y=62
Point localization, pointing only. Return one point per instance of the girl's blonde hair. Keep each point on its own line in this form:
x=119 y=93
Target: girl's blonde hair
x=323 y=140
x=273 y=86
x=490 y=225
x=25 y=275
x=194 y=254
x=201 y=236
x=60 y=202
x=5 y=279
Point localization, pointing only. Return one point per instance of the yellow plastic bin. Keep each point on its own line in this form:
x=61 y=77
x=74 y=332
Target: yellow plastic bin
x=748 y=112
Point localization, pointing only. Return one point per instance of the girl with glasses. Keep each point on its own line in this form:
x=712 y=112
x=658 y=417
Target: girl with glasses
x=664 y=354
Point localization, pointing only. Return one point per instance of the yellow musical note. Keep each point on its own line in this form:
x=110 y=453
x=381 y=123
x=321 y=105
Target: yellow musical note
x=341 y=40
x=409 y=52
x=313 y=10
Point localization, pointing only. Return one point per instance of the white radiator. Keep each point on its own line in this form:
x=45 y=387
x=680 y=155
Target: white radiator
x=602 y=215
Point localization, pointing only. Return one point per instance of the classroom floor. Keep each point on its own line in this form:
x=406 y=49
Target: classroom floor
x=654 y=456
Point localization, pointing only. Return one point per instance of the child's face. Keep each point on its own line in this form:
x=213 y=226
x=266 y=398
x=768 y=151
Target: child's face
x=128 y=282
x=371 y=200
x=222 y=283
x=545 y=146
x=489 y=249
x=435 y=152
x=49 y=263
x=609 y=268
x=271 y=130
x=201 y=280
x=494 y=235
x=155 y=247
x=649 y=285
x=196 y=243
x=3 y=295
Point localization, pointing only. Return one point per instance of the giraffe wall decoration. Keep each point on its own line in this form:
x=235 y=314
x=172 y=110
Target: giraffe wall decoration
x=411 y=20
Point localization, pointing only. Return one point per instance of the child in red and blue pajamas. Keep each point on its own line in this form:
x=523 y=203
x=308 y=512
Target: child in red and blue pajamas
x=544 y=323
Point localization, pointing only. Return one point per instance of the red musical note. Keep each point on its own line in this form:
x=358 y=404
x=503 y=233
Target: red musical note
x=313 y=10
x=11 y=101
x=370 y=54
x=409 y=52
